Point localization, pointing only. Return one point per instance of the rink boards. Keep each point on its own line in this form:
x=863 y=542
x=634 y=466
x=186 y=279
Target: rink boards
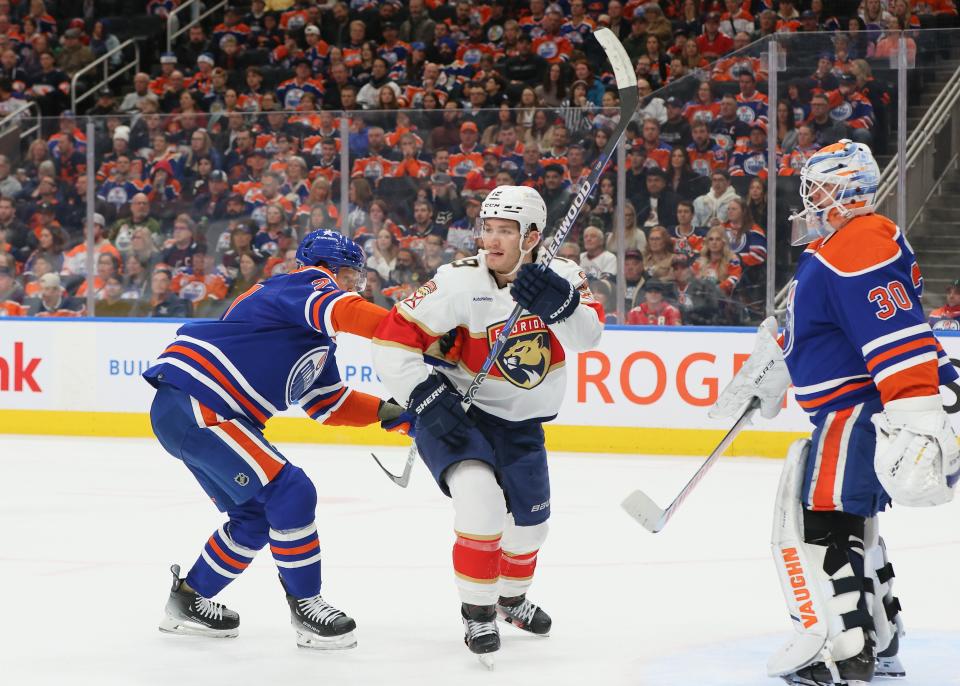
x=643 y=390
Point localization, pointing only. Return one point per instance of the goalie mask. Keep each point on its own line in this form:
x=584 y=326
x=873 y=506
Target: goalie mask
x=838 y=183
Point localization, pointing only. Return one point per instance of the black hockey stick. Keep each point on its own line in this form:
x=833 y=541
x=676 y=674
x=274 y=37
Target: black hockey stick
x=404 y=477
x=627 y=85
x=652 y=517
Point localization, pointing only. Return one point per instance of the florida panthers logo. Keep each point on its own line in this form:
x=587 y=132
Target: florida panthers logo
x=525 y=360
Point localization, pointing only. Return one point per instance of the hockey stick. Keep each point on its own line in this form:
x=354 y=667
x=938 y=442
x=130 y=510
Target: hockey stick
x=627 y=85
x=651 y=517
x=404 y=477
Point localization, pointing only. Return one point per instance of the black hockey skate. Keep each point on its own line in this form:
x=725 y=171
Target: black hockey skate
x=480 y=631
x=188 y=612
x=524 y=615
x=888 y=664
x=858 y=669
x=319 y=625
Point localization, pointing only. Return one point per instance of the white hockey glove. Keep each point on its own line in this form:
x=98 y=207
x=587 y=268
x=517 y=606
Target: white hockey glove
x=917 y=458
x=764 y=375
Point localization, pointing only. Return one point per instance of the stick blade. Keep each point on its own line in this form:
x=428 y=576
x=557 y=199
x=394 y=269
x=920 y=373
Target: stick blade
x=642 y=508
x=623 y=70
x=400 y=481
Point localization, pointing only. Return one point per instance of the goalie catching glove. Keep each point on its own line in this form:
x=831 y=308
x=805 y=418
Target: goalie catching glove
x=764 y=375
x=917 y=459
x=545 y=293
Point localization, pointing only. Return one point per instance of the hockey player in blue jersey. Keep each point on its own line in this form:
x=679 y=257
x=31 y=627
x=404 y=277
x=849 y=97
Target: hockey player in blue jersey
x=866 y=367
x=217 y=385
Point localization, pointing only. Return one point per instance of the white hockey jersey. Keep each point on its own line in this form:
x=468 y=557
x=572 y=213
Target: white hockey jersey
x=527 y=381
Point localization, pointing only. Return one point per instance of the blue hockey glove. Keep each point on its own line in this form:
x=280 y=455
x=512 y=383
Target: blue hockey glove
x=545 y=293
x=394 y=418
x=436 y=404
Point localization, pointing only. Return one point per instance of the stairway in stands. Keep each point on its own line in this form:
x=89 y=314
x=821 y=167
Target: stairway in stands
x=936 y=239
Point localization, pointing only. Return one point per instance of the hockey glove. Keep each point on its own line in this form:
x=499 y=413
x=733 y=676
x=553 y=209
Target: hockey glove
x=436 y=404
x=394 y=418
x=764 y=375
x=545 y=293
x=445 y=351
x=917 y=458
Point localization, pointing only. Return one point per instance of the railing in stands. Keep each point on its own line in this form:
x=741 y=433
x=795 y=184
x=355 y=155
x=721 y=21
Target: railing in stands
x=108 y=74
x=174 y=30
x=924 y=173
x=19 y=116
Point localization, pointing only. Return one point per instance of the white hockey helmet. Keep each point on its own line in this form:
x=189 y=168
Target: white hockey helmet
x=522 y=204
x=839 y=182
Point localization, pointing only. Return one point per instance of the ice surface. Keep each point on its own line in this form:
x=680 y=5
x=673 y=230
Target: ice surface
x=92 y=526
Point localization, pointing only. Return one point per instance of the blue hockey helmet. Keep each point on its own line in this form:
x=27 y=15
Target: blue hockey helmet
x=333 y=250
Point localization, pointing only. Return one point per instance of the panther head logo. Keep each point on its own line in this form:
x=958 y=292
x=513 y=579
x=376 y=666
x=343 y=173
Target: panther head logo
x=526 y=358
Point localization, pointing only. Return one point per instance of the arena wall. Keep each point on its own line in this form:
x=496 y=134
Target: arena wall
x=644 y=390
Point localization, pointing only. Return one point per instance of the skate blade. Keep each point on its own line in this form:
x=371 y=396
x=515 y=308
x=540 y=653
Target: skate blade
x=889 y=668
x=173 y=625
x=486 y=659
x=315 y=642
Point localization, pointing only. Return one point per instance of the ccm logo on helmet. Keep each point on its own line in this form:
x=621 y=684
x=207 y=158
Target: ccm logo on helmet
x=798 y=583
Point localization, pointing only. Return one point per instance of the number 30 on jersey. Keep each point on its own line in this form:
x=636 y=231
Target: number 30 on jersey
x=890 y=298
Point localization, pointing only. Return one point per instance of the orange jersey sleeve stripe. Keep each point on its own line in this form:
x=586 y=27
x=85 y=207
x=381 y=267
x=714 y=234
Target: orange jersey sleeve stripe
x=917 y=381
x=224 y=381
x=315 y=310
x=899 y=350
x=357 y=316
x=329 y=401
x=359 y=409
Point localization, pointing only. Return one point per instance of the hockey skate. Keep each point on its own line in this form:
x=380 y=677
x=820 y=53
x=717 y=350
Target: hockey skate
x=188 y=612
x=853 y=671
x=481 y=634
x=524 y=615
x=319 y=625
x=888 y=663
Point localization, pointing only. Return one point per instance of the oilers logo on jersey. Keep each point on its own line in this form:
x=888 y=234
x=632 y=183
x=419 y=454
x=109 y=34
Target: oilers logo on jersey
x=526 y=357
x=304 y=372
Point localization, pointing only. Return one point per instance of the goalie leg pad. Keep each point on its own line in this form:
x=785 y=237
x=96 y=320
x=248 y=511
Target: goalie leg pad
x=819 y=559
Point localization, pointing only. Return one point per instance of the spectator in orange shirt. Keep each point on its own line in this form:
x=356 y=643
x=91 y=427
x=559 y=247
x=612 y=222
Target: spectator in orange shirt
x=654 y=310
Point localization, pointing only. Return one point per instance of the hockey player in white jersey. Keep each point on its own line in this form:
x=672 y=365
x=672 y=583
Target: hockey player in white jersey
x=866 y=367
x=491 y=459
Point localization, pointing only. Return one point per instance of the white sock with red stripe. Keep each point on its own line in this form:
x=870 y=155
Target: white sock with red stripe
x=297 y=554
x=519 y=556
x=480 y=512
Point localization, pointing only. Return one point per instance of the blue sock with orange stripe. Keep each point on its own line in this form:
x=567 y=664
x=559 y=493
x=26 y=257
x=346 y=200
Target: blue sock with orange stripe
x=221 y=561
x=297 y=554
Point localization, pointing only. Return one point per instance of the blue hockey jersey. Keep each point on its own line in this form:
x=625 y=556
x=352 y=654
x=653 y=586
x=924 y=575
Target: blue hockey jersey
x=274 y=347
x=855 y=327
